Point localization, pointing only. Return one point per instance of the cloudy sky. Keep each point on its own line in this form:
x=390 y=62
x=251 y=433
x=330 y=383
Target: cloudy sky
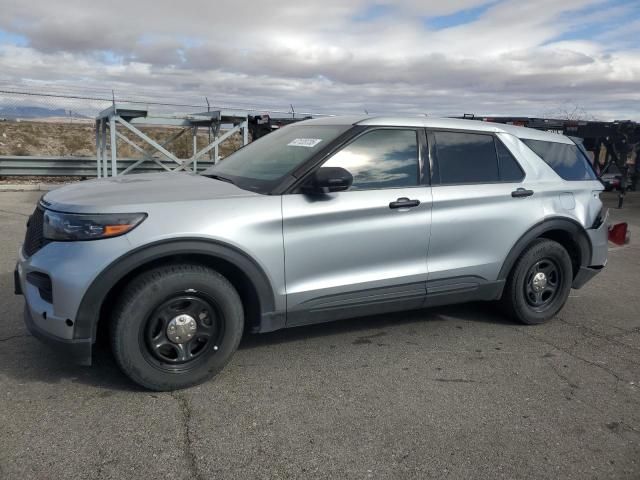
x=533 y=57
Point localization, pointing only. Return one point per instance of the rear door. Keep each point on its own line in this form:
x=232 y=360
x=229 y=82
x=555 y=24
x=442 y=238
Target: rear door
x=364 y=249
x=483 y=203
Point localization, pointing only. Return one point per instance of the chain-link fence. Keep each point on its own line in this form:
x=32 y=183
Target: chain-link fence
x=58 y=121
x=65 y=102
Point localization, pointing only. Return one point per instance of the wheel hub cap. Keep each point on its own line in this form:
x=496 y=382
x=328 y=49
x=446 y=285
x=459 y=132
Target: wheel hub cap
x=539 y=281
x=181 y=329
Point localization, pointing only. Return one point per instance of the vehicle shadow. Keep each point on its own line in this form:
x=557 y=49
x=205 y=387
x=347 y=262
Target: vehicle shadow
x=473 y=312
x=24 y=359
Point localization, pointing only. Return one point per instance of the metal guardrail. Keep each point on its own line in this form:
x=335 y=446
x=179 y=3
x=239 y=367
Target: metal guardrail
x=72 y=166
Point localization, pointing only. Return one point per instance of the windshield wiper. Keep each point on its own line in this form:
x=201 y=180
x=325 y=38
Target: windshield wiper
x=221 y=178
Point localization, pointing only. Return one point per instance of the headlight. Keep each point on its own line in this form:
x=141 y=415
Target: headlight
x=76 y=226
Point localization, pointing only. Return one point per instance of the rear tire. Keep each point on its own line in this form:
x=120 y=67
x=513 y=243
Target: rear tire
x=176 y=326
x=539 y=283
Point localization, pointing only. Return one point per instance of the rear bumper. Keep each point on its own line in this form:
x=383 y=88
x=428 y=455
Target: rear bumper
x=584 y=275
x=599 y=238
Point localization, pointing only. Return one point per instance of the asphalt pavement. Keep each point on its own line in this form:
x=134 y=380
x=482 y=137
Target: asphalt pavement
x=454 y=392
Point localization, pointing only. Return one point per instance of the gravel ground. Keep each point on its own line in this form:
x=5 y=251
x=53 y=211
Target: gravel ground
x=456 y=392
x=28 y=180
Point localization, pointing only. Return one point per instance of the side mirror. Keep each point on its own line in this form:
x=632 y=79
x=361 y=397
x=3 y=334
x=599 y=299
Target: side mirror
x=327 y=180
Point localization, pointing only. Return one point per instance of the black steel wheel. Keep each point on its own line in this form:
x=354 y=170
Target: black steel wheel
x=539 y=283
x=176 y=326
x=181 y=330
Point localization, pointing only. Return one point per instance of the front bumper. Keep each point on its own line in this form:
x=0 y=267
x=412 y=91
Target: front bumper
x=47 y=327
x=71 y=268
x=79 y=349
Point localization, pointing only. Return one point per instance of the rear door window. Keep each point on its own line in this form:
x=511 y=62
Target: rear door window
x=466 y=158
x=566 y=160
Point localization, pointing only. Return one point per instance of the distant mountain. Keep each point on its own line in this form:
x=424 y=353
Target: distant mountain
x=34 y=112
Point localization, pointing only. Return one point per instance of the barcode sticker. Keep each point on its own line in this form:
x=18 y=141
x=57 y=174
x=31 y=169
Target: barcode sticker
x=304 y=142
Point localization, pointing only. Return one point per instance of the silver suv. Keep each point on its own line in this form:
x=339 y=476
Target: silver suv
x=321 y=220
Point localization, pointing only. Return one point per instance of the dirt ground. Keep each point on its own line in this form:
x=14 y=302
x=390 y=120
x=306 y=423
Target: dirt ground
x=77 y=138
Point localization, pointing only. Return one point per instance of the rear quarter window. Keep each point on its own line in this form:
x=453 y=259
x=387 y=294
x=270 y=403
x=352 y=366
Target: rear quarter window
x=566 y=160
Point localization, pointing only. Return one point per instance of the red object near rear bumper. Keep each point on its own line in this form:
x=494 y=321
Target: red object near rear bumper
x=618 y=233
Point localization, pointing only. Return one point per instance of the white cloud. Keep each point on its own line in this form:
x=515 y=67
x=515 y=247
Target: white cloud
x=335 y=55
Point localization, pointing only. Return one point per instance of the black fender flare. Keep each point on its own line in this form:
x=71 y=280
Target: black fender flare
x=572 y=227
x=93 y=299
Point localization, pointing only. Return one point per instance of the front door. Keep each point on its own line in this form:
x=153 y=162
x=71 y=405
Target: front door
x=363 y=250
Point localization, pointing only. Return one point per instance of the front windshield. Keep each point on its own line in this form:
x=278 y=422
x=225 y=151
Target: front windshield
x=262 y=164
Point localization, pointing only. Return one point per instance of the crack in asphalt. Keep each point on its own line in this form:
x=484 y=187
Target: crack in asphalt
x=626 y=332
x=23 y=335
x=573 y=386
x=564 y=378
x=189 y=455
x=14 y=213
x=455 y=380
x=596 y=334
x=573 y=355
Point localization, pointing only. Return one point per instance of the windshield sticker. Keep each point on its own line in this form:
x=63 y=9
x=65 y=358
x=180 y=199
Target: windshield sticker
x=304 y=142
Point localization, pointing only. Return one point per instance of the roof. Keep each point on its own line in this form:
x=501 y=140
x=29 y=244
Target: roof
x=444 y=123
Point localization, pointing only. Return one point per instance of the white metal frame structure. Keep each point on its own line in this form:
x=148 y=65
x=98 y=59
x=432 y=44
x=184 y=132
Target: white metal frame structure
x=107 y=136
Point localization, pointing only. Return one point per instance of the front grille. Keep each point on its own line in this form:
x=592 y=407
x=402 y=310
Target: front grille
x=34 y=239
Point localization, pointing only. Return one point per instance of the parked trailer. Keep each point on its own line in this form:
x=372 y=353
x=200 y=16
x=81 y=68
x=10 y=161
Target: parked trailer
x=618 y=139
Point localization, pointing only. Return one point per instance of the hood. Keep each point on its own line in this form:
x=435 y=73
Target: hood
x=114 y=193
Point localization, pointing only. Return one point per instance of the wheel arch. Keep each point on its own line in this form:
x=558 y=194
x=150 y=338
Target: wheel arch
x=239 y=268
x=566 y=231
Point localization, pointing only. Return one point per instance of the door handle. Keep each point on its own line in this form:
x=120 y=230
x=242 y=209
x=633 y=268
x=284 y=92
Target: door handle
x=521 y=192
x=404 y=202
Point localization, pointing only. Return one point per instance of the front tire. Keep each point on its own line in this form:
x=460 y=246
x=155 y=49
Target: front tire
x=539 y=283
x=176 y=326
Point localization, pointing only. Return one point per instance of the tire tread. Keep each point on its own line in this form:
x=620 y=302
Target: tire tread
x=513 y=302
x=133 y=292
